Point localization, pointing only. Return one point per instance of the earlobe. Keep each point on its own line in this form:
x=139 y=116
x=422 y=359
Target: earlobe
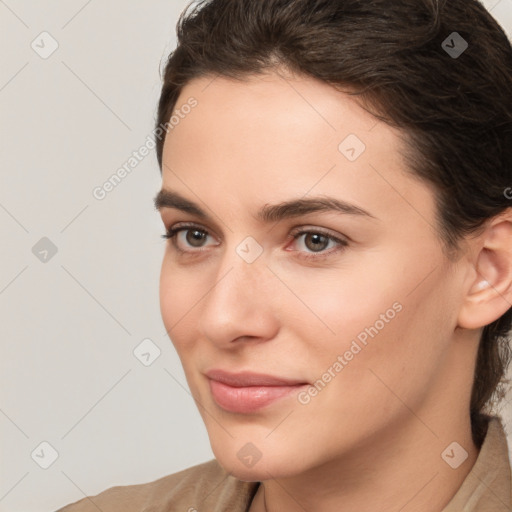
x=489 y=292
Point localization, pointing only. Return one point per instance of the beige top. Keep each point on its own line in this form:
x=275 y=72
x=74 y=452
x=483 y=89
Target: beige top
x=207 y=487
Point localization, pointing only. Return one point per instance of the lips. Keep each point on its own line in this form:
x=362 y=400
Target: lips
x=245 y=379
x=247 y=392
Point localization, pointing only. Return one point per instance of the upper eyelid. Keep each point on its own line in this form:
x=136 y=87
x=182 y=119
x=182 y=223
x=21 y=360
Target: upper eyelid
x=186 y=226
x=295 y=232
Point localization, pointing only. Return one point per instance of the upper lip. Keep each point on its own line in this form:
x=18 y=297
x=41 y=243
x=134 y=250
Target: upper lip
x=243 y=379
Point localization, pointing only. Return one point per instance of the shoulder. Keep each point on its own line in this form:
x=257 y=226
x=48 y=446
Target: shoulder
x=188 y=490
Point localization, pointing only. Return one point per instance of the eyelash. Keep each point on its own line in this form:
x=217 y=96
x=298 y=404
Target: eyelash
x=173 y=232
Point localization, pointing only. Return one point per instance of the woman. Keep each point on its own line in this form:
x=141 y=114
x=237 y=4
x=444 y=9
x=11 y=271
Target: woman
x=338 y=276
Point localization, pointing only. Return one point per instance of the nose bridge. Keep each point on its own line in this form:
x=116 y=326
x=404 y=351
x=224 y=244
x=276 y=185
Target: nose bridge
x=238 y=302
x=239 y=280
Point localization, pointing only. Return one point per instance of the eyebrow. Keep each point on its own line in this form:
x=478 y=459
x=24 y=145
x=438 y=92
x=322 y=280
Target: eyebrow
x=269 y=212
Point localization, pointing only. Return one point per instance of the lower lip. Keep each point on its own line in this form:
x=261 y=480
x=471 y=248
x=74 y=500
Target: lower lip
x=249 y=399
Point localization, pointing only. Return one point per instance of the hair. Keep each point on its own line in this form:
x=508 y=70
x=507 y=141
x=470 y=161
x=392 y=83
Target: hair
x=453 y=111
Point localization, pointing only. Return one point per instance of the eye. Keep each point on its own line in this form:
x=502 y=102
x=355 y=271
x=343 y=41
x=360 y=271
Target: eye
x=189 y=235
x=315 y=240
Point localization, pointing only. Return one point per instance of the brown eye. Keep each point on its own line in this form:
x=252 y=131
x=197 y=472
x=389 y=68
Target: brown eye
x=317 y=244
x=195 y=237
x=187 y=238
x=316 y=241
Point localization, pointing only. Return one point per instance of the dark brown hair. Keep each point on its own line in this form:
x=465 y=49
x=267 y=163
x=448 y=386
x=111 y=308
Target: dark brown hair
x=454 y=109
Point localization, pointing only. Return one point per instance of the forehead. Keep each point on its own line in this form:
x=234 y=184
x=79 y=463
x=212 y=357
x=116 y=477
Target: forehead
x=271 y=120
x=277 y=135
x=276 y=100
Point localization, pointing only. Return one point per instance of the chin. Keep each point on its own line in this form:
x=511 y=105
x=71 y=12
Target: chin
x=246 y=474
x=240 y=465
x=257 y=473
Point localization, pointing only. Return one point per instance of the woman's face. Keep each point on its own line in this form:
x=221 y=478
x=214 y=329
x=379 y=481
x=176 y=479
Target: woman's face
x=355 y=306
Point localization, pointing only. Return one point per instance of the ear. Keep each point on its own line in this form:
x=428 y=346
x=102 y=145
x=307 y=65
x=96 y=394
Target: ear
x=489 y=286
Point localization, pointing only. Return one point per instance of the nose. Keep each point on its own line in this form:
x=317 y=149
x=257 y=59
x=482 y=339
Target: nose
x=241 y=303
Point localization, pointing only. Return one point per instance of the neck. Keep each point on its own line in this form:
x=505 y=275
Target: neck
x=401 y=470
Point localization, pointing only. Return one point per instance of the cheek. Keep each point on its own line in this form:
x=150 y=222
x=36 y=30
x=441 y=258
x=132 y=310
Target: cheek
x=375 y=315
x=169 y=293
x=178 y=296
x=340 y=304
x=385 y=360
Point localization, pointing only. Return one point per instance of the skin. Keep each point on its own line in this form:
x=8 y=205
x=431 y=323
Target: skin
x=372 y=439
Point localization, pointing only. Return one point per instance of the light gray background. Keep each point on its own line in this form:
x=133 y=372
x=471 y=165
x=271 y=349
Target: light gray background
x=69 y=325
